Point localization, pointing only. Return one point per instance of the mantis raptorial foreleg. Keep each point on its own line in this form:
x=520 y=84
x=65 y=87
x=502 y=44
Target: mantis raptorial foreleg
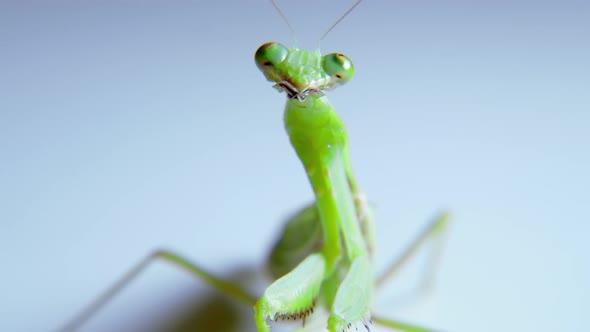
x=301 y=235
x=293 y=295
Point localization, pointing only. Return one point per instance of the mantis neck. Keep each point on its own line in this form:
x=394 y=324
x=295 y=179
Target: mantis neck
x=320 y=140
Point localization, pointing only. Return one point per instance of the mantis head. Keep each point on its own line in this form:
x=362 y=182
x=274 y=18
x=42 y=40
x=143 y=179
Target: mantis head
x=301 y=72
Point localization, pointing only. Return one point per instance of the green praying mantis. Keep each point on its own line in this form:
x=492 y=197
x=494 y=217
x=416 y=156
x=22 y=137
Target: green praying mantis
x=324 y=255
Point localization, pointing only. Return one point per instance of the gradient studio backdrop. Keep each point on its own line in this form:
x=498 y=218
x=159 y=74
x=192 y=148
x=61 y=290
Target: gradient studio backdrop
x=127 y=126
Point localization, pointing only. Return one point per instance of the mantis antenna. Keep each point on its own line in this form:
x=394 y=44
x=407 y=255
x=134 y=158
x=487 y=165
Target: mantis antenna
x=274 y=3
x=341 y=18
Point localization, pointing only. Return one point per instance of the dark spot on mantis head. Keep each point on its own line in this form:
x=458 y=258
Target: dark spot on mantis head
x=338 y=75
x=267 y=63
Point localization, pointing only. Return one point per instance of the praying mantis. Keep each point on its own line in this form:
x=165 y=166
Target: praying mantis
x=324 y=255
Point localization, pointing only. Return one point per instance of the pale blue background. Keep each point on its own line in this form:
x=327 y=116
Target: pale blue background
x=126 y=126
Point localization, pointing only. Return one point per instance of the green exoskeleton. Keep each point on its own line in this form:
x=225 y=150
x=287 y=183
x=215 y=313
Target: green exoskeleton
x=319 y=138
x=324 y=255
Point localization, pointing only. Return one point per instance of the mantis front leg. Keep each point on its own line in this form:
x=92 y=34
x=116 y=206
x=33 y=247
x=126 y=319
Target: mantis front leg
x=292 y=296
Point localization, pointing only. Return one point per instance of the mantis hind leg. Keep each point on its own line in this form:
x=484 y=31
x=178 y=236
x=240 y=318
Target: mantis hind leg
x=223 y=286
x=398 y=325
x=433 y=231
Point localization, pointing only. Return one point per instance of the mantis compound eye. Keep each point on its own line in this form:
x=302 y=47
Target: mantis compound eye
x=269 y=55
x=338 y=66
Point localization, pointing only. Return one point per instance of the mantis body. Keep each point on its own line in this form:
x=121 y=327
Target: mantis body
x=324 y=256
x=336 y=267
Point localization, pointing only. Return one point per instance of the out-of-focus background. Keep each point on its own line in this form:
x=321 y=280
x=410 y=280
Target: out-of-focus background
x=127 y=126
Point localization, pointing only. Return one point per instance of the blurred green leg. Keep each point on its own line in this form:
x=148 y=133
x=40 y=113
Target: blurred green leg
x=225 y=287
x=433 y=231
